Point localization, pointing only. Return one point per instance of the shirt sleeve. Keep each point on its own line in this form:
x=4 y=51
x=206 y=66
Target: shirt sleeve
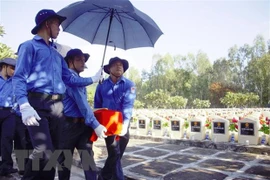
x=98 y=97
x=72 y=80
x=81 y=101
x=128 y=102
x=22 y=71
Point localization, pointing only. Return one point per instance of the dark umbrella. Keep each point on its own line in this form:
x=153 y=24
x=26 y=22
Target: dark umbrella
x=115 y=21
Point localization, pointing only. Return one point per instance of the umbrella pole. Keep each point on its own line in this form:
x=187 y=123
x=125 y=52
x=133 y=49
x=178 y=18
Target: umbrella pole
x=108 y=33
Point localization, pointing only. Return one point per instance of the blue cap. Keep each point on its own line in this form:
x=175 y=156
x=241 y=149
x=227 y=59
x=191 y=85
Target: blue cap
x=114 y=59
x=8 y=61
x=76 y=52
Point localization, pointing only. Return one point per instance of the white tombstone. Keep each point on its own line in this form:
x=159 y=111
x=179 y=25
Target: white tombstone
x=248 y=132
x=133 y=125
x=143 y=125
x=197 y=128
x=157 y=126
x=134 y=122
x=220 y=131
x=176 y=128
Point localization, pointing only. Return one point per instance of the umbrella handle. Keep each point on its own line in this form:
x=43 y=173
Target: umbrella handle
x=101 y=80
x=107 y=37
x=108 y=33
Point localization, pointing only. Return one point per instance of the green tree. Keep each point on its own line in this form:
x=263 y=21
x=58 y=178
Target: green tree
x=198 y=103
x=203 y=63
x=258 y=76
x=138 y=104
x=91 y=94
x=2 y=31
x=157 y=99
x=259 y=47
x=177 y=102
x=240 y=99
x=5 y=51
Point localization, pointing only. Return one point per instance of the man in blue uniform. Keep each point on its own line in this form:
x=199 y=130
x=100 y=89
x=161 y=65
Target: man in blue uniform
x=39 y=85
x=79 y=121
x=7 y=117
x=116 y=93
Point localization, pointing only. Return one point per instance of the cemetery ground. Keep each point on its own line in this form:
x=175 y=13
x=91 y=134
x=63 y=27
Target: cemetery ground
x=152 y=158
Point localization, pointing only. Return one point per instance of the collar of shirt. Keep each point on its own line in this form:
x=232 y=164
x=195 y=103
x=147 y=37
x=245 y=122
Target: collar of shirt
x=1 y=77
x=119 y=80
x=39 y=38
x=73 y=72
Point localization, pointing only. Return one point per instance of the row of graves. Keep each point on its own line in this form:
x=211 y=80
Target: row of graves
x=244 y=126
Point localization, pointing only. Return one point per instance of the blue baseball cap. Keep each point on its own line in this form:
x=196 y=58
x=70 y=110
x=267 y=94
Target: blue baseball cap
x=44 y=15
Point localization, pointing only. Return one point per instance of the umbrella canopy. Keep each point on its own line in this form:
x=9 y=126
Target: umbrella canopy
x=115 y=21
x=62 y=49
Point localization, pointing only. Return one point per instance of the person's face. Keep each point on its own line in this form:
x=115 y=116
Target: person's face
x=53 y=26
x=78 y=63
x=9 y=70
x=117 y=68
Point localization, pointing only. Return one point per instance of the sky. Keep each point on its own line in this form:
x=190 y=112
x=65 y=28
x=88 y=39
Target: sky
x=211 y=26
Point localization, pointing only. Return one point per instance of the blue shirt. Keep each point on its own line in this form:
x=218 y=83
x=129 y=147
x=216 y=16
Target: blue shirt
x=6 y=93
x=119 y=96
x=76 y=105
x=40 y=68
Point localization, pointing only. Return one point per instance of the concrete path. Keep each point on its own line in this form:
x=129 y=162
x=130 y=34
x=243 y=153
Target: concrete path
x=154 y=159
x=148 y=158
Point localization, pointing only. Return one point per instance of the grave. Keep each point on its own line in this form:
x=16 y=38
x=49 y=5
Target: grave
x=197 y=128
x=134 y=122
x=220 y=131
x=248 y=132
x=143 y=125
x=176 y=128
x=159 y=126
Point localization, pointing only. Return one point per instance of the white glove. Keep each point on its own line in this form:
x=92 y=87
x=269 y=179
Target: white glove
x=29 y=115
x=100 y=131
x=124 y=129
x=98 y=76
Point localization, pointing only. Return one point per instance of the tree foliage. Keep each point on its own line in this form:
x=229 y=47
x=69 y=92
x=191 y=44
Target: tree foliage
x=5 y=51
x=198 y=103
x=239 y=99
x=193 y=78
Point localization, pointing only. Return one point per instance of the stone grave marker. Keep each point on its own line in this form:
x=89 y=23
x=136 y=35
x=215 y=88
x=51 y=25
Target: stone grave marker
x=220 y=131
x=134 y=122
x=196 y=128
x=143 y=125
x=176 y=128
x=157 y=126
x=248 y=130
